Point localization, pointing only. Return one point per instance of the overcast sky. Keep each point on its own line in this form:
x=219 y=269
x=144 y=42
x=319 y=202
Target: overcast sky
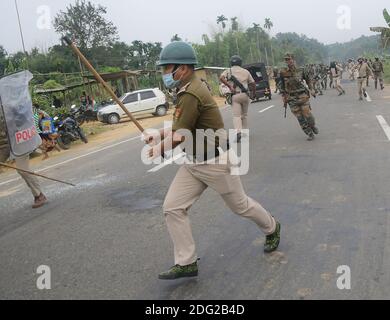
x=159 y=20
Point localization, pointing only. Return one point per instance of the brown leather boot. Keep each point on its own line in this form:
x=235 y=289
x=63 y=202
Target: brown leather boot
x=39 y=201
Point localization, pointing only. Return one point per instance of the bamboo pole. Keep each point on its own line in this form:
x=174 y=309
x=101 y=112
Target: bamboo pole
x=100 y=80
x=35 y=174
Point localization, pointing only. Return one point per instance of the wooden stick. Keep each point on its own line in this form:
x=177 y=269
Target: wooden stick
x=35 y=174
x=100 y=80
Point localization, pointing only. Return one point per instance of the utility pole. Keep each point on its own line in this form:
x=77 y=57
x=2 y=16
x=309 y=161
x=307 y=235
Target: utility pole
x=21 y=31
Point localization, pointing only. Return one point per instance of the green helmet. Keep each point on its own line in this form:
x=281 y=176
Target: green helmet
x=236 y=61
x=178 y=52
x=289 y=55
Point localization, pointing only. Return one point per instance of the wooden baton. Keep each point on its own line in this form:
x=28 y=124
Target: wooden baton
x=35 y=174
x=101 y=81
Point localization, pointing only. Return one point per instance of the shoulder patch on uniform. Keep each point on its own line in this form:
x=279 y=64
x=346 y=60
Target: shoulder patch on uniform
x=184 y=88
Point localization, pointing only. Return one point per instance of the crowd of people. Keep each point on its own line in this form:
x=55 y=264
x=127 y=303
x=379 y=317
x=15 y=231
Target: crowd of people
x=361 y=70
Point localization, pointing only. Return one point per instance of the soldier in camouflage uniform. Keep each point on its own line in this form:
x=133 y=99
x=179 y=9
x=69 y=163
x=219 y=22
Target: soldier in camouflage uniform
x=377 y=68
x=296 y=93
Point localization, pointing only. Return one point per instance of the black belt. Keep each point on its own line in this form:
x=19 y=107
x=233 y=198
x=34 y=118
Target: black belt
x=297 y=93
x=207 y=156
x=362 y=77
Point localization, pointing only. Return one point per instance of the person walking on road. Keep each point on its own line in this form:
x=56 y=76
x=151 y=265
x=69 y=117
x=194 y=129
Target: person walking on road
x=364 y=71
x=21 y=162
x=196 y=110
x=336 y=73
x=296 y=89
x=239 y=81
x=377 y=68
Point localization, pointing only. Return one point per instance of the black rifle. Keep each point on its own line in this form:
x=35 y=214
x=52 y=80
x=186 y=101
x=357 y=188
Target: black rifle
x=285 y=110
x=237 y=83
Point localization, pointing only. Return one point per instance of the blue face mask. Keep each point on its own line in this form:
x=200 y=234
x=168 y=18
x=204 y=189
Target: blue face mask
x=170 y=82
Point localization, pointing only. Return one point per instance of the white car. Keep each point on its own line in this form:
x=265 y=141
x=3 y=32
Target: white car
x=138 y=102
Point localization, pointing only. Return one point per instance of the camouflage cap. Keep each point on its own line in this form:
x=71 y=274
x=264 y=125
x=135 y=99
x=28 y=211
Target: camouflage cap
x=288 y=55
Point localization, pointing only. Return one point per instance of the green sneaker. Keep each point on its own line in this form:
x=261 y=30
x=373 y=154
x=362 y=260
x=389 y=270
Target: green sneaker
x=177 y=272
x=273 y=240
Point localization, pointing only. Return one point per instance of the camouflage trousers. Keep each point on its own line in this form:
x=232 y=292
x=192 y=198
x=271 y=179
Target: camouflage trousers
x=300 y=107
x=378 y=76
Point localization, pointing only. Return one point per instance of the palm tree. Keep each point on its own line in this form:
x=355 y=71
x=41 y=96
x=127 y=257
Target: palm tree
x=385 y=31
x=268 y=26
x=176 y=38
x=205 y=39
x=234 y=23
x=256 y=28
x=222 y=20
x=235 y=31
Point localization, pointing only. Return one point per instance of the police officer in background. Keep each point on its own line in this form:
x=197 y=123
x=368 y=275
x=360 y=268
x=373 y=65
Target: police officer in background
x=295 y=89
x=239 y=81
x=196 y=109
x=364 y=71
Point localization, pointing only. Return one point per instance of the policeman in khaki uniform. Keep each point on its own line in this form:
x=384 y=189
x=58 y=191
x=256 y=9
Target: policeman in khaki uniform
x=240 y=99
x=377 y=68
x=196 y=109
x=22 y=163
x=364 y=71
x=295 y=85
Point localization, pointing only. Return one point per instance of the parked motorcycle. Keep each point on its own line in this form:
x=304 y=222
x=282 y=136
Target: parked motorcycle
x=69 y=130
x=82 y=115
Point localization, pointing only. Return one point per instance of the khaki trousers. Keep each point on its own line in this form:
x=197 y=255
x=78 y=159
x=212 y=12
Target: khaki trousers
x=240 y=105
x=361 y=86
x=337 y=82
x=187 y=187
x=31 y=181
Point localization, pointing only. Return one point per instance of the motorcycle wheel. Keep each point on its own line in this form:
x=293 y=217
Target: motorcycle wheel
x=83 y=137
x=63 y=143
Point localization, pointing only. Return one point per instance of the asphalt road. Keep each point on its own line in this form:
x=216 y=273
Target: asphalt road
x=107 y=239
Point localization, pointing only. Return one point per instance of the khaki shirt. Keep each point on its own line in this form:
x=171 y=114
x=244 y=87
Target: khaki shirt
x=336 y=72
x=364 y=70
x=242 y=75
x=197 y=109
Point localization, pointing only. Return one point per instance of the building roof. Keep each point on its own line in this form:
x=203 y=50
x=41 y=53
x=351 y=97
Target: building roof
x=115 y=75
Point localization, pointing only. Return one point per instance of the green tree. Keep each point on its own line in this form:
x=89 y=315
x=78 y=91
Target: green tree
x=3 y=60
x=222 y=20
x=384 y=31
x=176 y=38
x=268 y=25
x=86 y=22
x=235 y=27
